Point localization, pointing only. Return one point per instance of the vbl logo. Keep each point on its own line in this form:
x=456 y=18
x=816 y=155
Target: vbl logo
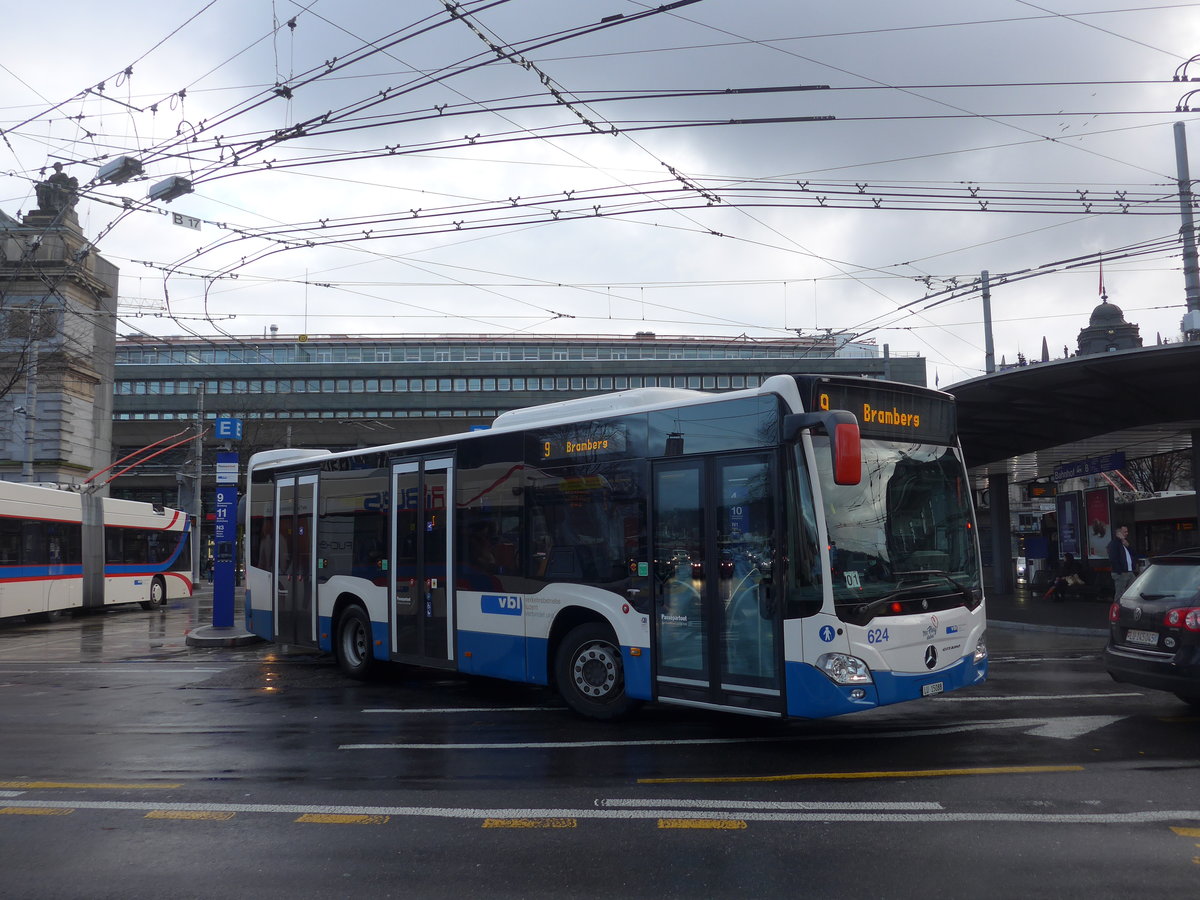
x=501 y=604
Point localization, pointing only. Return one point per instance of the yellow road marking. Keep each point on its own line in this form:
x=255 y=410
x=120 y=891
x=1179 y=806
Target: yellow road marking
x=189 y=814
x=33 y=811
x=836 y=776
x=81 y=785
x=725 y=824
x=1186 y=832
x=335 y=819
x=529 y=823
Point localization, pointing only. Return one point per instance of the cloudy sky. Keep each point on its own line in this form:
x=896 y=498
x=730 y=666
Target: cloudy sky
x=757 y=168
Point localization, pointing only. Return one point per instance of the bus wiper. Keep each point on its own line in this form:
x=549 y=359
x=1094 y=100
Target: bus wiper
x=940 y=574
x=869 y=609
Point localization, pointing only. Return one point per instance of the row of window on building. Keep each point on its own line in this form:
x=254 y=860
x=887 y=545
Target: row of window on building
x=137 y=387
x=340 y=414
x=296 y=352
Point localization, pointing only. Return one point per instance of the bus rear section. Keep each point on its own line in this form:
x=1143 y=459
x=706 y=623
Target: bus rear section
x=147 y=554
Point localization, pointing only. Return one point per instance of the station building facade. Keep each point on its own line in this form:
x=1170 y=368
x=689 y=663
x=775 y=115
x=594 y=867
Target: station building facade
x=342 y=392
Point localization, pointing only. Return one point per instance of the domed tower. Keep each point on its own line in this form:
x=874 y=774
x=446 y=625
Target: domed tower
x=1107 y=330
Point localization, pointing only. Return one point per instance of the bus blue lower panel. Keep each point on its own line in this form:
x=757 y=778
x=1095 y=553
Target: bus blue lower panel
x=637 y=674
x=499 y=656
x=812 y=695
x=261 y=622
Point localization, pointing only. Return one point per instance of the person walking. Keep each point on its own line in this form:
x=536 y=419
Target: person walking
x=1120 y=557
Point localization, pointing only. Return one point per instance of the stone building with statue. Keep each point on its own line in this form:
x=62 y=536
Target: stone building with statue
x=58 y=301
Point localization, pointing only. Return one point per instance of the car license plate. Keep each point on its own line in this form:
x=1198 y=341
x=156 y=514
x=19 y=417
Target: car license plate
x=1133 y=636
x=928 y=690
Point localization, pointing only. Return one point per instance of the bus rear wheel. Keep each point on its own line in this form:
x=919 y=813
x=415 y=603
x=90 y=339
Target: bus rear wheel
x=353 y=644
x=590 y=674
x=158 y=594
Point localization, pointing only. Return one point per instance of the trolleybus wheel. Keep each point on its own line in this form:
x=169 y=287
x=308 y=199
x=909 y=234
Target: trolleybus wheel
x=353 y=644
x=158 y=594
x=590 y=674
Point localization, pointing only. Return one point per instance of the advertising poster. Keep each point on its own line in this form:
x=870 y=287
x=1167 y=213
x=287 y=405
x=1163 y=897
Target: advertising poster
x=1069 y=516
x=1099 y=522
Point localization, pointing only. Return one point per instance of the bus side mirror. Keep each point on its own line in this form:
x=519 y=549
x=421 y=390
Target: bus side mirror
x=845 y=441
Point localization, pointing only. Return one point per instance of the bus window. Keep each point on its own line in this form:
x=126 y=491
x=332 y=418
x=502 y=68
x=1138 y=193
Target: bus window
x=586 y=527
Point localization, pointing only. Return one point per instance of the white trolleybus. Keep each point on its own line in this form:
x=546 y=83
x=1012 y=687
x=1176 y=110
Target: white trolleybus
x=62 y=550
x=806 y=548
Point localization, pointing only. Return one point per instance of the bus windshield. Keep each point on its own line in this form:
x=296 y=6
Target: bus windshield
x=903 y=539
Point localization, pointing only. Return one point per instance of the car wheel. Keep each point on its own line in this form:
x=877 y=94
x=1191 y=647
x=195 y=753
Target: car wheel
x=353 y=644
x=158 y=594
x=590 y=674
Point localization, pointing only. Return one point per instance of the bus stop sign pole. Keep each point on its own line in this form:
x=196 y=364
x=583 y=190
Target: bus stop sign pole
x=225 y=539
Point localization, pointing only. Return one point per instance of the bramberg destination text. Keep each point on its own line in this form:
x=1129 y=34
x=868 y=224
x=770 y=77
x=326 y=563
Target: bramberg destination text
x=891 y=416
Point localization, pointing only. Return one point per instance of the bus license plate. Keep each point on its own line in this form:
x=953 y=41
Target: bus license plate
x=1142 y=637
x=928 y=690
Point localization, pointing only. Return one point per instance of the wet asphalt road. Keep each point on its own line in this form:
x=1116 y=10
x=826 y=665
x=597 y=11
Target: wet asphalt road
x=132 y=765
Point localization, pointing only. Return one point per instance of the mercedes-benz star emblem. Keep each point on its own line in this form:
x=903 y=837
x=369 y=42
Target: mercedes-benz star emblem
x=930 y=656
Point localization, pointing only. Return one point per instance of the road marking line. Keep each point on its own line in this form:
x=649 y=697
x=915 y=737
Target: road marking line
x=190 y=814
x=729 y=824
x=529 y=823
x=79 y=785
x=621 y=803
x=849 y=776
x=1186 y=832
x=567 y=745
x=34 y=811
x=1058 y=727
x=343 y=819
x=1026 y=697
x=1167 y=816
x=465 y=709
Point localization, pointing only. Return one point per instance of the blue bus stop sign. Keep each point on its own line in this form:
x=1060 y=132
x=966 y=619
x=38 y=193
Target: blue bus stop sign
x=228 y=429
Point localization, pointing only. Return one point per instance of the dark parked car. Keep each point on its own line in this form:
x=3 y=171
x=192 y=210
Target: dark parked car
x=1154 y=630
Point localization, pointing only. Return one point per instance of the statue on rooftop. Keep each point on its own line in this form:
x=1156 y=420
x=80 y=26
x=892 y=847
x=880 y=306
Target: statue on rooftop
x=58 y=192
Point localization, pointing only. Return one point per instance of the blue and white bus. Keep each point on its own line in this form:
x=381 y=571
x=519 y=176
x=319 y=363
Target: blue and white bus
x=62 y=550
x=805 y=548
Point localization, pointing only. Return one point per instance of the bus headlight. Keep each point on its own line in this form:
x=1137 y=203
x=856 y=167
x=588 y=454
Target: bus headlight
x=980 y=651
x=842 y=668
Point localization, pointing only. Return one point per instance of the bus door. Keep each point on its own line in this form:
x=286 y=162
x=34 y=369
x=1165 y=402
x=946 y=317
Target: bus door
x=718 y=619
x=421 y=589
x=295 y=559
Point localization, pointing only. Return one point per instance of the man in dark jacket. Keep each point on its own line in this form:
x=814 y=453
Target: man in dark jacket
x=1120 y=557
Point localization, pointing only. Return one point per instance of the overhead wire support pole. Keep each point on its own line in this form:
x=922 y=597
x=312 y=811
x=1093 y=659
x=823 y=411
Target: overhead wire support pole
x=1187 y=230
x=989 y=356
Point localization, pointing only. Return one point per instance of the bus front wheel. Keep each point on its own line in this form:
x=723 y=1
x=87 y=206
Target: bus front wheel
x=158 y=594
x=354 y=643
x=590 y=674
